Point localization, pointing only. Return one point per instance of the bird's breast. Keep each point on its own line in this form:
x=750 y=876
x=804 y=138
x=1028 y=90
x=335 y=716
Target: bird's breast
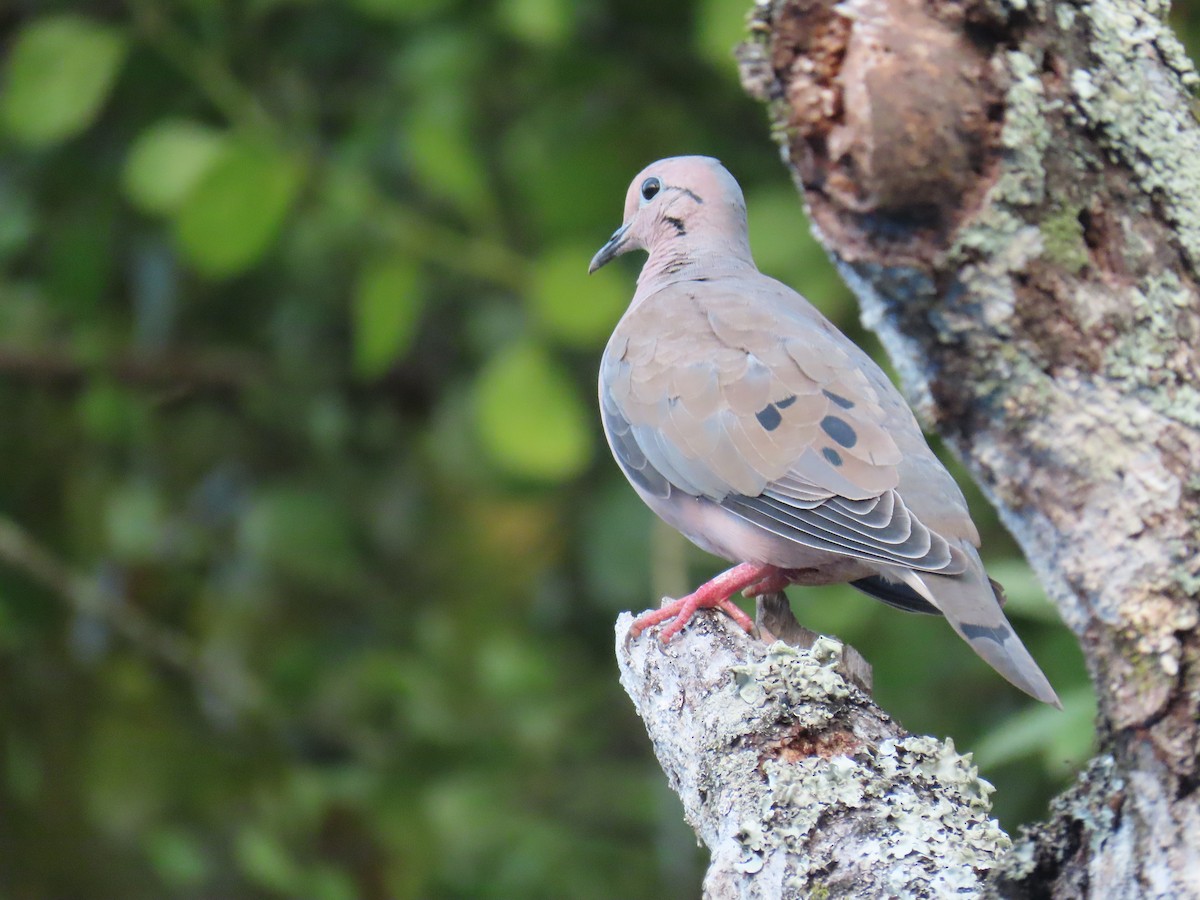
x=717 y=531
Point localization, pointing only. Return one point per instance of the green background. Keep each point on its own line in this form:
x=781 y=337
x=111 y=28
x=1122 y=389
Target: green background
x=310 y=545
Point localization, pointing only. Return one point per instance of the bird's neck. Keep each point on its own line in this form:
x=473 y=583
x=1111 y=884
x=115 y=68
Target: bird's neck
x=680 y=260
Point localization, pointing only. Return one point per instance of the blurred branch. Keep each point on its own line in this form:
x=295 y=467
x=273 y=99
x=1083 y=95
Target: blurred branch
x=433 y=242
x=236 y=689
x=205 y=69
x=85 y=596
x=184 y=370
x=796 y=781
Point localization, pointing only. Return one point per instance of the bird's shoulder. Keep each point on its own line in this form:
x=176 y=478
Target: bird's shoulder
x=723 y=315
x=745 y=380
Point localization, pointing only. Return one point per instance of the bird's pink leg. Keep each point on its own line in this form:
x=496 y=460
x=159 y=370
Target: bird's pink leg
x=776 y=580
x=713 y=594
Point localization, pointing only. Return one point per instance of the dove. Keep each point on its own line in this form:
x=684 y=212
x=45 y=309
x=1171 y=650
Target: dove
x=747 y=421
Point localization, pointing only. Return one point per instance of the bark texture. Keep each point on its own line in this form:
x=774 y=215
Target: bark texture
x=798 y=784
x=1012 y=188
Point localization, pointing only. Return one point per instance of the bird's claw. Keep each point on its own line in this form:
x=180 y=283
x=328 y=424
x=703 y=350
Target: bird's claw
x=680 y=613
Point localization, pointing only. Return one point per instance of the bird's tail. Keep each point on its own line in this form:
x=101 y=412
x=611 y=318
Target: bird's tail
x=969 y=603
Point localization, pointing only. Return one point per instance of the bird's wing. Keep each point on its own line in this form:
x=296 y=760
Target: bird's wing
x=746 y=396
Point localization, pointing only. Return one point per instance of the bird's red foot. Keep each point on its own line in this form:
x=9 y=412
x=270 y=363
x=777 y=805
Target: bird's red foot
x=713 y=594
x=775 y=580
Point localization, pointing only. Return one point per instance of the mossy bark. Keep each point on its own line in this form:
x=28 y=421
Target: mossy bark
x=1012 y=188
x=798 y=784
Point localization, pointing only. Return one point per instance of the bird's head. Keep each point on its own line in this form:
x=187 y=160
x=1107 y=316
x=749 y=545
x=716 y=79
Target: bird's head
x=689 y=201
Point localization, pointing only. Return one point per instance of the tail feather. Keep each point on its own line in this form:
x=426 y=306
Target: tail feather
x=972 y=607
x=895 y=593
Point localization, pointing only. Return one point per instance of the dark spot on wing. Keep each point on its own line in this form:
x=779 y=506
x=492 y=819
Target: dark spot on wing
x=840 y=430
x=835 y=458
x=839 y=400
x=992 y=633
x=678 y=225
x=769 y=417
x=786 y=402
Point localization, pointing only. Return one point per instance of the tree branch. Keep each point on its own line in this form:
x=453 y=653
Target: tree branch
x=179 y=370
x=19 y=551
x=91 y=598
x=798 y=784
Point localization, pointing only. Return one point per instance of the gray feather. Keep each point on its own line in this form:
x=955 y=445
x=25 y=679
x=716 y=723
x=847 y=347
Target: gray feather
x=749 y=422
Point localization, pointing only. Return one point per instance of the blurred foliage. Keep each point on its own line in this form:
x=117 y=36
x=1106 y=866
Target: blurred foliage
x=310 y=543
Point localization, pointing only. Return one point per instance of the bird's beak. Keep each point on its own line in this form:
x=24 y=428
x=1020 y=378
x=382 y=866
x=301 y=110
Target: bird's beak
x=611 y=250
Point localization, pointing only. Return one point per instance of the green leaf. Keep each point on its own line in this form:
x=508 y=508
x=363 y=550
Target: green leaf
x=60 y=71
x=529 y=417
x=266 y=861
x=387 y=307
x=572 y=306
x=545 y=23
x=167 y=160
x=443 y=152
x=108 y=411
x=234 y=212
x=323 y=881
x=135 y=519
x=178 y=857
x=303 y=533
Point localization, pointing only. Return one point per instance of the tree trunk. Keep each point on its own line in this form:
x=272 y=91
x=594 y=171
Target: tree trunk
x=1012 y=188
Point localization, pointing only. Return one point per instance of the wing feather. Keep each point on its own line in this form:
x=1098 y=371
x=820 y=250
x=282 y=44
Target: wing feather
x=760 y=408
x=921 y=549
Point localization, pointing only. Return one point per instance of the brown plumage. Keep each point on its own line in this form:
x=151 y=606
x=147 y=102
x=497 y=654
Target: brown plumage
x=746 y=420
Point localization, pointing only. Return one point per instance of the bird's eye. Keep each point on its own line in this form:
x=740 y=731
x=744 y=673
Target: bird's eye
x=650 y=187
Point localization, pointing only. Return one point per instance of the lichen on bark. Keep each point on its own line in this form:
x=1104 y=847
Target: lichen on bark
x=1012 y=189
x=798 y=784
x=1045 y=316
